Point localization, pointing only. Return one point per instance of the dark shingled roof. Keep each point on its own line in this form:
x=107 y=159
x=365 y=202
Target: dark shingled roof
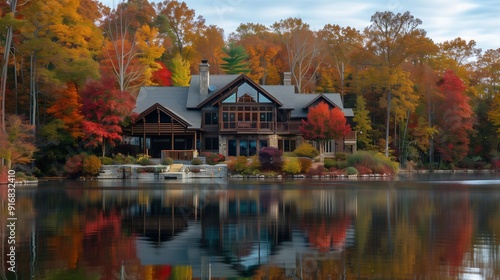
x=183 y=101
x=173 y=98
x=217 y=81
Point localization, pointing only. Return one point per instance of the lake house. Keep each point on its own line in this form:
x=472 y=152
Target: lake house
x=227 y=114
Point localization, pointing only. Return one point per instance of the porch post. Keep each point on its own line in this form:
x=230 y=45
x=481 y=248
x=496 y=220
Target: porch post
x=144 y=149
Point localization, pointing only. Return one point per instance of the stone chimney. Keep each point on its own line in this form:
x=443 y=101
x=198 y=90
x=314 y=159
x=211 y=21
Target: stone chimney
x=287 y=78
x=204 y=76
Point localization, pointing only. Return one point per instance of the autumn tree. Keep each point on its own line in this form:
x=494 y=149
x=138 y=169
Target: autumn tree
x=262 y=47
x=67 y=108
x=341 y=43
x=209 y=45
x=180 y=24
x=235 y=61
x=388 y=38
x=324 y=124
x=181 y=74
x=363 y=123
x=104 y=109
x=16 y=143
x=304 y=51
x=454 y=119
x=130 y=54
x=7 y=21
x=162 y=76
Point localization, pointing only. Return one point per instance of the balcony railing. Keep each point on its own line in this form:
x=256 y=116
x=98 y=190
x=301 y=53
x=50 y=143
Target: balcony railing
x=247 y=126
x=290 y=127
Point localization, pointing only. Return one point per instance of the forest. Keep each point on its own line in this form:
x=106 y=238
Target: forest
x=71 y=69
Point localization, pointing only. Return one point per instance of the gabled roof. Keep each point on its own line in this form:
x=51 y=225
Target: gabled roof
x=298 y=102
x=227 y=90
x=321 y=97
x=172 y=99
x=216 y=81
x=172 y=114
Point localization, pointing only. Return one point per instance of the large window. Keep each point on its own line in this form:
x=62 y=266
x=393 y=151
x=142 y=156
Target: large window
x=245 y=147
x=247 y=117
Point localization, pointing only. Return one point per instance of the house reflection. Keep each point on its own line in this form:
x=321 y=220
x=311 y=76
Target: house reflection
x=239 y=230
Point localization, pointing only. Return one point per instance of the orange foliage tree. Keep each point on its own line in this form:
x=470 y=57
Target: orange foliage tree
x=67 y=108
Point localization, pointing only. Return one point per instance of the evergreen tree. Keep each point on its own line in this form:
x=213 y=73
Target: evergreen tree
x=235 y=62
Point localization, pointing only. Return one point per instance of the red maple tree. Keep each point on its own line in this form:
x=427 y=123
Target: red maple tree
x=104 y=109
x=324 y=124
x=162 y=76
x=454 y=118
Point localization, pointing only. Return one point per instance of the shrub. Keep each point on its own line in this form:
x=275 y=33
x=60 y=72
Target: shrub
x=121 y=159
x=231 y=163
x=340 y=156
x=351 y=170
x=196 y=161
x=144 y=160
x=253 y=166
x=106 y=160
x=271 y=158
x=243 y=165
x=305 y=164
x=167 y=161
x=214 y=158
x=363 y=170
x=306 y=150
x=20 y=175
x=375 y=161
x=289 y=154
x=329 y=162
x=74 y=165
x=240 y=164
x=91 y=165
x=291 y=165
x=317 y=171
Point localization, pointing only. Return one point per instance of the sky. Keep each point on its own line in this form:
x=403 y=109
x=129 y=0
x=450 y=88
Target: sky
x=444 y=20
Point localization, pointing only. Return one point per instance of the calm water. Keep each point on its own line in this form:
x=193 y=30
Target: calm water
x=426 y=227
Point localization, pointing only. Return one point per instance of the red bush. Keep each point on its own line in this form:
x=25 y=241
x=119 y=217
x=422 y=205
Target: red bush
x=271 y=158
x=363 y=170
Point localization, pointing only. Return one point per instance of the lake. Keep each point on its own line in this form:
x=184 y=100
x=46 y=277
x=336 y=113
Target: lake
x=412 y=227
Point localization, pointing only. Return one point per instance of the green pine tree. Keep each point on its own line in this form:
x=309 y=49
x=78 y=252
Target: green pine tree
x=235 y=62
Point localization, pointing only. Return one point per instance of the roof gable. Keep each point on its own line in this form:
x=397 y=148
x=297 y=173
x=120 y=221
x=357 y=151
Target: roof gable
x=231 y=88
x=318 y=99
x=170 y=113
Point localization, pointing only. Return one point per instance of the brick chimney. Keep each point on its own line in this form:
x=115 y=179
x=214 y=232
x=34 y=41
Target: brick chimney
x=204 y=76
x=287 y=78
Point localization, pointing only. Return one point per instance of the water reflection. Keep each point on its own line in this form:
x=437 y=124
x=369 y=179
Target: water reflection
x=265 y=230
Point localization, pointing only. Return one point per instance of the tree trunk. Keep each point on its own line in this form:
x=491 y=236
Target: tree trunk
x=6 y=56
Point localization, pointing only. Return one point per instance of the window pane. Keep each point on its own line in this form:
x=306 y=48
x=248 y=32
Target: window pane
x=243 y=147
x=252 y=149
x=262 y=144
x=231 y=148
